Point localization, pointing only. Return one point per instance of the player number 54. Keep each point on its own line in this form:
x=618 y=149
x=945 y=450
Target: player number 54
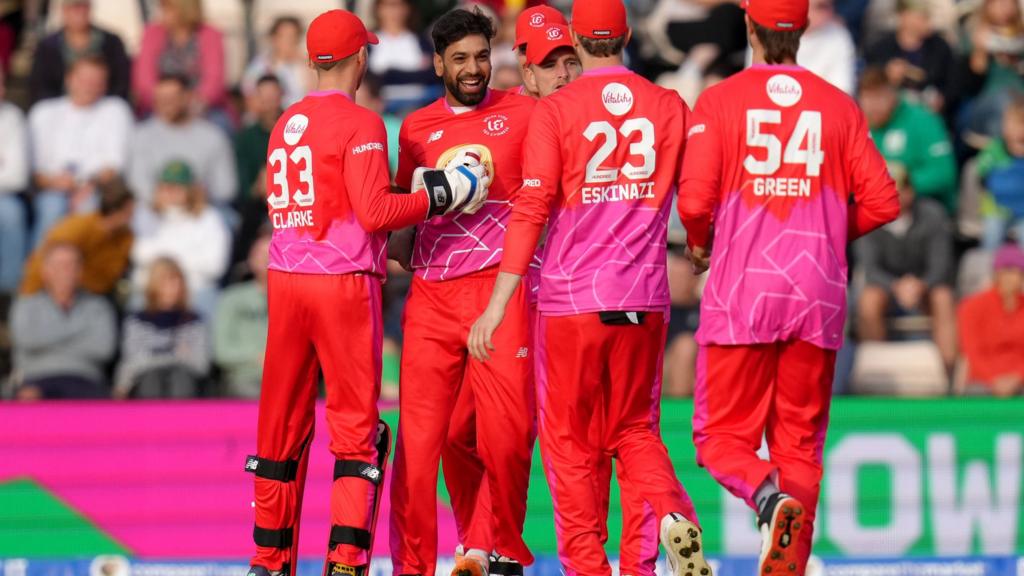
x=807 y=130
x=302 y=158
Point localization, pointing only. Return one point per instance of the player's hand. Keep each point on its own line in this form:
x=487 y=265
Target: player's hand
x=400 y=246
x=700 y=258
x=480 y=335
x=459 y=188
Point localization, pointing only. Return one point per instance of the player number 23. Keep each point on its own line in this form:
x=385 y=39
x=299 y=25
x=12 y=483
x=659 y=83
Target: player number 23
x=302 y=158
x=808 y=129
x=643 y=148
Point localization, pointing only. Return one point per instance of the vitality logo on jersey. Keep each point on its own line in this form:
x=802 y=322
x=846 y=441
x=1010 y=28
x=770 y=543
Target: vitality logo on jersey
x=617 y=99
x=784 y=90
x=295 y=128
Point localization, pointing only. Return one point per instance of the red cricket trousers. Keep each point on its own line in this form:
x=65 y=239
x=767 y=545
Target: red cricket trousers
x=435 y=366
x=328 y=323
x=588 y=370
x=779 y=391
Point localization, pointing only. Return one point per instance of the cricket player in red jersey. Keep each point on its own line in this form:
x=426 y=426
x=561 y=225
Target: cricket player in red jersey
x=455 y=261
x=774 y=157
x=330 y=204
x=602 y=160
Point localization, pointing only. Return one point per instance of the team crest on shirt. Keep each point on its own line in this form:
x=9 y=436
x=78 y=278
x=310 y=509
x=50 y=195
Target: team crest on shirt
x=496 y=125
x=617 y=99
x=784 y=90
x=295 y=128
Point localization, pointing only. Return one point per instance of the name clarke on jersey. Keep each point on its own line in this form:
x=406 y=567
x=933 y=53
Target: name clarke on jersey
x=292 y=219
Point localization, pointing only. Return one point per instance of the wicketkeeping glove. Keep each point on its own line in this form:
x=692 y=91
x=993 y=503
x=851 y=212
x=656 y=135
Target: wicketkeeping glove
x=461 y=186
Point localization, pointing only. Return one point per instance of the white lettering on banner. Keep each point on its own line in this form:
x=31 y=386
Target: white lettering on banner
x=894 y=452
x=958 y=514
x=293 y=219
x=368 y=147
x=618 y=192
x=796 y=187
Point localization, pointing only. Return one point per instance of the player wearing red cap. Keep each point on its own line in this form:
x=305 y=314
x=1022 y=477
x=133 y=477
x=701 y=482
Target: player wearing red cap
x=455 y=261
x=330 y=204
x=775 y=155
x=529 y=22
x=602 y=160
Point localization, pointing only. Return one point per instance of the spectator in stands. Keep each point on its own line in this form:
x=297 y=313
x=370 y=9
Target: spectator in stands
x=78 y=140
x=914 y=56
x=909 y=268
x=826 y=48
x=994 y=67
x=63 y=337
x=1001 y=169
x=240 y=327
x=369 y=96
x=712 y=30
x=175 y=133
x=187 y=230
x=77 y=39
x=403 y=60
x=103 y=239
x=911 y=135
x=181 y=44
x=992 y=329
x=14 y=172
x=251 y=142
x=164 y=347
x=285 y=58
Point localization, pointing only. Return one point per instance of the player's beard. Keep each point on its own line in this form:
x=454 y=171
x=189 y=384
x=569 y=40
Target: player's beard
x=452 y=84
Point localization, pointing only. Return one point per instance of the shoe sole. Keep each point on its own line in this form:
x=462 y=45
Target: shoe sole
x=686 y=550
x=787 y=524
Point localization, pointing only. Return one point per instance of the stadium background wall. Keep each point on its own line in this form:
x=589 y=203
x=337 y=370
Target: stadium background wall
x=911 y=487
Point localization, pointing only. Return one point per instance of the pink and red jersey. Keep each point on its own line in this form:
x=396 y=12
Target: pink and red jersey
x=773 y=157
x=329 y=190
x=453 y=246
x=602 y=160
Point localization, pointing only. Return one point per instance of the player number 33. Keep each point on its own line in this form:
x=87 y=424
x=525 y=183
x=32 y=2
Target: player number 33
x=302 y=158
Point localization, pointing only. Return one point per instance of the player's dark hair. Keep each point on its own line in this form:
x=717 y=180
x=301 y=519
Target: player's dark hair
x=285 y=21
x=779 y=45
x=874 y=78
x=114 y=196
x=457 y=24
x=602 y=47
x=180 y=79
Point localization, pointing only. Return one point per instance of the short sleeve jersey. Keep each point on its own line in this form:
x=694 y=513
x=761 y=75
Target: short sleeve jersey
x=773 y=158
x=601 y=167
x=328 y=189
x=452 y=246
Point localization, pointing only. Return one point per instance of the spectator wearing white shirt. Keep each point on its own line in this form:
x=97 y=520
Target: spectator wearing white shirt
x=187 y=230
x=284 y=59
x=13 y=180
x=827 y=48
x=77 y=140
x=402 y=60
x=174 y=133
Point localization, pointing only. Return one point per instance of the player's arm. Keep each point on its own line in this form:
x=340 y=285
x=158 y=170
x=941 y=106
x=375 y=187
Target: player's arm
x=700 y=180
x=401 y=242
x=875 y=200
x=542 y=168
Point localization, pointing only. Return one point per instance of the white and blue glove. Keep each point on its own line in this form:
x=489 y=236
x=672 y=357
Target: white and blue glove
x=460 y=187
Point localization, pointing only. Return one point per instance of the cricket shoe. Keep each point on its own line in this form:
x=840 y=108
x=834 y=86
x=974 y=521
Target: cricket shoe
x=339 y=569
x=781 y=520
x=683 y=545
x=505 y=566
x=472 y=562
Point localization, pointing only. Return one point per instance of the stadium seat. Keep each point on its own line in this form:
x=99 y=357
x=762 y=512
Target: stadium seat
x=899 y=369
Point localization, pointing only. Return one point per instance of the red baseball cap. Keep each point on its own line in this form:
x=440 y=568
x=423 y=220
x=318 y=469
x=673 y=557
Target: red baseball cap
x=533 y=19
x=599 y=18
x=781 y=15
x=546 y=41
x=336 y=34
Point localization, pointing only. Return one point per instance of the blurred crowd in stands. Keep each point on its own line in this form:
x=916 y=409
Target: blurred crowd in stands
x=133 y=135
